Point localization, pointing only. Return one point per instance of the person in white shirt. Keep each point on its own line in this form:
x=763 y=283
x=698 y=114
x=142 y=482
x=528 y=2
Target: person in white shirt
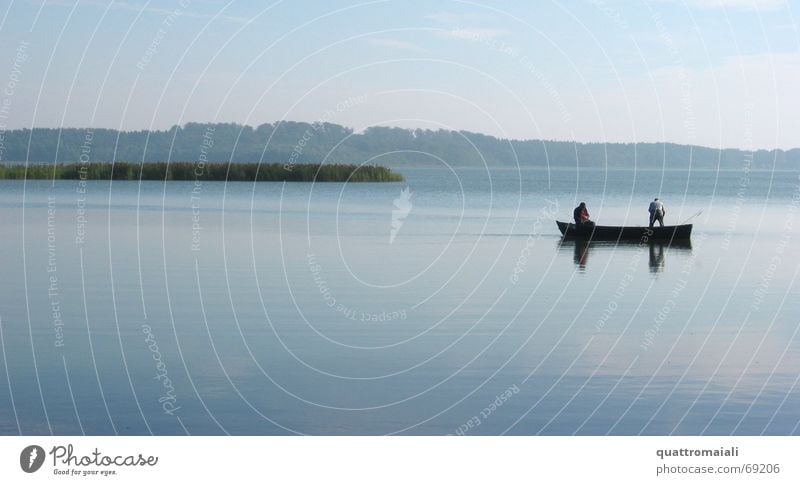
x=657 y=212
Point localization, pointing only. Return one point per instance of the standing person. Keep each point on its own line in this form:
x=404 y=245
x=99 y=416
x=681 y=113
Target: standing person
x=657 y=212
x=581 y=215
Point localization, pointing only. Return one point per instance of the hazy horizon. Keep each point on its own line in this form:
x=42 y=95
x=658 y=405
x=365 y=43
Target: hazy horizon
x=709 y=73
x=455 y=129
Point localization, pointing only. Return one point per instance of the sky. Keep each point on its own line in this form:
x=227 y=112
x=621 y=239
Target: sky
x=718 y=73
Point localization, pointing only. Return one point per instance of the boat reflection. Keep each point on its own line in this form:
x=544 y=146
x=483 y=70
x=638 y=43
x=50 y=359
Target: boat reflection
x=657 y=251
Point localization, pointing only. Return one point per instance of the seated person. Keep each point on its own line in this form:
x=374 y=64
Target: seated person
x=581 y=215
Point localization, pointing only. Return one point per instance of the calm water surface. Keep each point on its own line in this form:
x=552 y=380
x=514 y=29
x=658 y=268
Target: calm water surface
x=357 y=309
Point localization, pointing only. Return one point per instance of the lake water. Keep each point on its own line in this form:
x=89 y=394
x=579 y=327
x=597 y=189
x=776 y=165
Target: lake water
x=454 y=308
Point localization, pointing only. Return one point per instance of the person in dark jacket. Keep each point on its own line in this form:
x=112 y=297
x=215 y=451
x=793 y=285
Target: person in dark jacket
x=657 y=212
x=581 y=215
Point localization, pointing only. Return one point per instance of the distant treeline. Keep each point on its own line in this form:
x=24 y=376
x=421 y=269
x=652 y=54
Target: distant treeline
x=251 y=172
x=295 y=142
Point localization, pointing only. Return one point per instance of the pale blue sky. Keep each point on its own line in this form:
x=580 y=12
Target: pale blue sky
x=709 y=72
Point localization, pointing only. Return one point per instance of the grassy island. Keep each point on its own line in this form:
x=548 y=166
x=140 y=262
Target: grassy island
x=233 y=172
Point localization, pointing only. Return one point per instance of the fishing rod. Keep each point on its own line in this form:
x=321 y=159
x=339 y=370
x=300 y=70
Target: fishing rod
x=693 y=216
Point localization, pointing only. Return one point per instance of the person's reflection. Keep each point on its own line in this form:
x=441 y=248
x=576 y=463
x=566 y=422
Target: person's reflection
x=581 y=253
x=656 y=257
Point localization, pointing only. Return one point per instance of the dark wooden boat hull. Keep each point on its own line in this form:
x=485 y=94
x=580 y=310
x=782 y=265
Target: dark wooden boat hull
x=682 y=232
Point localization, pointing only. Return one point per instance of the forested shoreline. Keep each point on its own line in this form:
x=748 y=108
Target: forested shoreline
x=292 y=143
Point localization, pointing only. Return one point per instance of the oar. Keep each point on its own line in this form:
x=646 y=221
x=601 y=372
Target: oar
x=693 y=216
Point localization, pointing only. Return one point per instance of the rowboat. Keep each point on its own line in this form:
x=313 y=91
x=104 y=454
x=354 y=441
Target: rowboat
x=681 y=232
